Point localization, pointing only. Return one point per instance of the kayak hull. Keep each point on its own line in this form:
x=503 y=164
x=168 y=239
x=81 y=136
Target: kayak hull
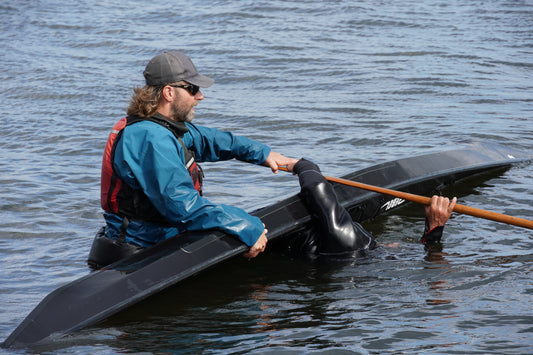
x=100 y=294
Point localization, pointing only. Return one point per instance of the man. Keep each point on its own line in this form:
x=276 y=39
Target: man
x=151 y=183
x=334 y=234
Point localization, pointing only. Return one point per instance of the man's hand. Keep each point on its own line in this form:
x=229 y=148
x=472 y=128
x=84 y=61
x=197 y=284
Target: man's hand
x=275 y=160
x=258 y=247
x=439 y=211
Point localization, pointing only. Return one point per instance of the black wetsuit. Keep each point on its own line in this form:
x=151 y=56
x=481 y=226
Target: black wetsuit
x=334 y=233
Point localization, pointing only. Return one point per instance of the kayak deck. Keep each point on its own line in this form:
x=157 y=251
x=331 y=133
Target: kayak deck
x=100 y=294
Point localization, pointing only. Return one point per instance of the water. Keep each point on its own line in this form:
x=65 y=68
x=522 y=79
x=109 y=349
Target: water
x=346 y=84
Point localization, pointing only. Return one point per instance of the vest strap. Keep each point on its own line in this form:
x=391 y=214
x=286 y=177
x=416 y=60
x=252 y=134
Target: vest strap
x=123 y=229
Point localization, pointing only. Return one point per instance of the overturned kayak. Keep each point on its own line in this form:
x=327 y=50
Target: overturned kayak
x=100 y=294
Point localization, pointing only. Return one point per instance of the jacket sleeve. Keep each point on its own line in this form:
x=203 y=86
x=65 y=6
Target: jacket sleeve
x=151 y=158
x=211 y=144
x=337 y=232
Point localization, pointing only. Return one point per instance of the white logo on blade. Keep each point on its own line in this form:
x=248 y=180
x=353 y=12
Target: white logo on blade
x=392 y=203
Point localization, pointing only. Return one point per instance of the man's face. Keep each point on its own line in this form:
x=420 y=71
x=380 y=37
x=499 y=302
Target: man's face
x=183 y=105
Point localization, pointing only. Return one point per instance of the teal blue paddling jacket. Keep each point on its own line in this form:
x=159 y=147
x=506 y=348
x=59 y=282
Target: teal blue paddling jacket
x=148 y=156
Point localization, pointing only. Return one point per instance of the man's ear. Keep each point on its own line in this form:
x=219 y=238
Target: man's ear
x=168 y=93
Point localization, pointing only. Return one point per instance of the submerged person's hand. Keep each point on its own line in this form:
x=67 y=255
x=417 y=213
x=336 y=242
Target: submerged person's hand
x=290 y=166
x=439 y=211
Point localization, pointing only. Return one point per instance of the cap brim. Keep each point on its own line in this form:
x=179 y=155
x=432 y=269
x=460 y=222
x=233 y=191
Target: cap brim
x=201 y=81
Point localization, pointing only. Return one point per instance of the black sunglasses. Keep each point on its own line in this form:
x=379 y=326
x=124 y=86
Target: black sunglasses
x=192 y=89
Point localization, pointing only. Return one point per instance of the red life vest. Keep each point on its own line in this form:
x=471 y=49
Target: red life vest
x=118 y=197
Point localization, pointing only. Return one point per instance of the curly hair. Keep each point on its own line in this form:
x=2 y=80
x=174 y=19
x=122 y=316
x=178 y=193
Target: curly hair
x=145 y=101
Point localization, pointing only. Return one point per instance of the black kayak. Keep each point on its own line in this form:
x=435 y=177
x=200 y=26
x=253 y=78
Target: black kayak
x=101 y=294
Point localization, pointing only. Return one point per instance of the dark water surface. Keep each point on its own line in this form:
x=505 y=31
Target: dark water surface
x=345 y=83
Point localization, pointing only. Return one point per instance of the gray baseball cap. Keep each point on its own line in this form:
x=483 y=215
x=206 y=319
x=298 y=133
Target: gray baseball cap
x=172 y=66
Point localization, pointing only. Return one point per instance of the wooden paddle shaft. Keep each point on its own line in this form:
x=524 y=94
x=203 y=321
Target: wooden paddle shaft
x=471 y=211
